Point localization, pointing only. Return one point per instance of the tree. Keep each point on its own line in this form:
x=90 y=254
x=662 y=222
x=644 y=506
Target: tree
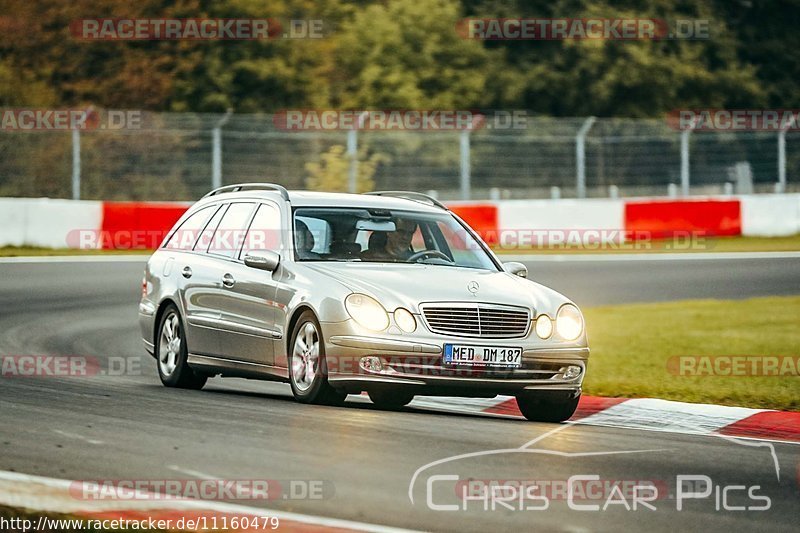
x=332 y=172
x=406 y=54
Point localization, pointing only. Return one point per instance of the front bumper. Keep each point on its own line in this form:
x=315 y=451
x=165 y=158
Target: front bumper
x=415 y=362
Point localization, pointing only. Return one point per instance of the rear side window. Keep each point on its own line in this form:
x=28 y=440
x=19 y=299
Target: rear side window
x=264 y=232
x=184 y=237
x=229 y=236
x=205 y=236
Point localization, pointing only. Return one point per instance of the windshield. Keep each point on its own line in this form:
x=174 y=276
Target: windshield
x=384 y=236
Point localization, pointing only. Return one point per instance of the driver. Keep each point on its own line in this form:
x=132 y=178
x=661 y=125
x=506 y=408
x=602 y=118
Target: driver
x=398 y=242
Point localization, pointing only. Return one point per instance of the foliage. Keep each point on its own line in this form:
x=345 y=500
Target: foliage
x=403 y=54
x=331 y=173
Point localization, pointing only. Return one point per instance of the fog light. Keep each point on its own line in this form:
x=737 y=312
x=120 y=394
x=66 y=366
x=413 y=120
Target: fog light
x=371 y=364
x=572 y=372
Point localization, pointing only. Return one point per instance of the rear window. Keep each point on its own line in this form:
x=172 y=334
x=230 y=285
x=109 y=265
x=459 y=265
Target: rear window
x=184 y=237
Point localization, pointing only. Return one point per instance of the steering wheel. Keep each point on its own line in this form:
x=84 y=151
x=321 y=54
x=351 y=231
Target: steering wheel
x=414 y=258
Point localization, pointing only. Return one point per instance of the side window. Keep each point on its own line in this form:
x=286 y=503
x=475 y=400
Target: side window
x=229 y=235
x=205 y=236
x=184 y=237
x=320 y=232
x=264 y=232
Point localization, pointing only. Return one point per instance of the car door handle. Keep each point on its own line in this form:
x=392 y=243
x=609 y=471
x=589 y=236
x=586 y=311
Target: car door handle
x=228 y=280
x=187 y=272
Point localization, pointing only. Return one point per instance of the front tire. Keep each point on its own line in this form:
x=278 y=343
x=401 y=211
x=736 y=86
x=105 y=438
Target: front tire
x=547 y=407
x=308 y=371
x=172 y=353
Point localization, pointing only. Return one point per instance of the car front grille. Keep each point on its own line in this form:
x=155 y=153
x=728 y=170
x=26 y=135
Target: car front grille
x=489 y=321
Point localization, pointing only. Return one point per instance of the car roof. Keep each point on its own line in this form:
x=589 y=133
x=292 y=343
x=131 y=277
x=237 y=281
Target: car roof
x=329 y=199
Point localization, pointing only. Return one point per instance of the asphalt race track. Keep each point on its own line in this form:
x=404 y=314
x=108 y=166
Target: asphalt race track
x=128 y=426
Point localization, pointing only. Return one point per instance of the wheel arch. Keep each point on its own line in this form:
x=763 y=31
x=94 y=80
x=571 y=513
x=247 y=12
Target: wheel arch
x=166 y=302
x=298 y=311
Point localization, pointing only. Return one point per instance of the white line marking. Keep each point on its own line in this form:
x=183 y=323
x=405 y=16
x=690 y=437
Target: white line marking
x=712 y=417
x=132 y=258
x=646 y=256
x=18 y=493
x=78 y=437
x=193 y=473
x=735 y=439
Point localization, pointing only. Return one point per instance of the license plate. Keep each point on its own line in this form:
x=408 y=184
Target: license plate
x=465 y=354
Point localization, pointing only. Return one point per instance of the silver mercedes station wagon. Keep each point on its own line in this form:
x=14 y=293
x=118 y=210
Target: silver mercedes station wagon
x=388 y=292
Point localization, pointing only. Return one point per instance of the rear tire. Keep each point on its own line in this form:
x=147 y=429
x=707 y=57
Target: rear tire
x=172 y=354
x=308 y=369
x=389 y=399
x=547 y=408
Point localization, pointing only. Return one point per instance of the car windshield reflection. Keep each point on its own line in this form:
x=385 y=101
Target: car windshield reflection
x=384 y=236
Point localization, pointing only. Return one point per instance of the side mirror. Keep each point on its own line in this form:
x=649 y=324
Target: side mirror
x=518 y=269
x=263 y=260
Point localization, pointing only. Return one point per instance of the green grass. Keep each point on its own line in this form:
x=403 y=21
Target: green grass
x=631 y=345
x=698 y=244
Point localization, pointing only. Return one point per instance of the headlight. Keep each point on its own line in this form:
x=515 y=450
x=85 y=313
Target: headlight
x=569 y=322
x=367 y=311
x=405 y=320
x=544 y=326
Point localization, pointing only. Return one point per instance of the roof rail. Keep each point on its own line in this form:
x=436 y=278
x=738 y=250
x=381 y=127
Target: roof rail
x=251 y=187
x=411 y=195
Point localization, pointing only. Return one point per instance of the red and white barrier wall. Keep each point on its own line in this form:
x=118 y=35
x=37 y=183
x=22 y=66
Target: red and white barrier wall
x=44 y=222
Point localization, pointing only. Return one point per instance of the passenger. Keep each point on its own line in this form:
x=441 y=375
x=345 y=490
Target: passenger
x=304 y=241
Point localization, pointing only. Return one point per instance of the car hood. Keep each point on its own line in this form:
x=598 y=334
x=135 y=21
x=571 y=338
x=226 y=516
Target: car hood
x=407 y=285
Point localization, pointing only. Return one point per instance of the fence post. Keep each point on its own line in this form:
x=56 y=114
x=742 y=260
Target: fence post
x=781 y=186
x=352 y=153
x=216 y=151
x=76 y=164
x=466 y=170
x=580 y=156
x=685 y=158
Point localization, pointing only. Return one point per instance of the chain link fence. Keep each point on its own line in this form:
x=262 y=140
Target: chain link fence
x=170 y=156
